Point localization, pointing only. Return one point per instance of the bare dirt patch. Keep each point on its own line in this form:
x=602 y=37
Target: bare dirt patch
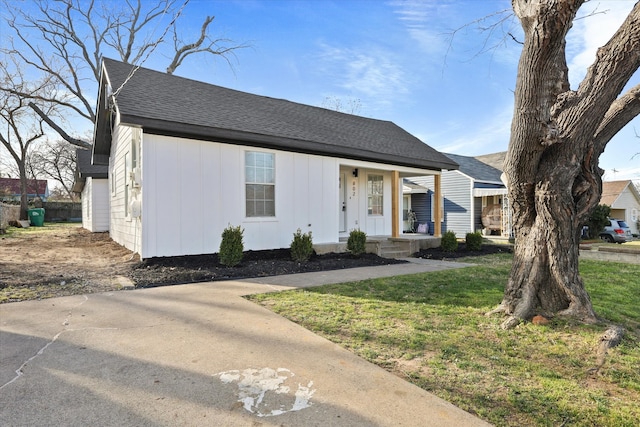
x=60 y=259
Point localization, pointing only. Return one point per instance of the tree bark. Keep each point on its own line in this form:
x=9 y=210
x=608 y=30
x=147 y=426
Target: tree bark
x=557 y=136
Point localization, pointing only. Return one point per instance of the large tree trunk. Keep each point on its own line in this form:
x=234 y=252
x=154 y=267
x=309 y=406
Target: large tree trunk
x=557 y=136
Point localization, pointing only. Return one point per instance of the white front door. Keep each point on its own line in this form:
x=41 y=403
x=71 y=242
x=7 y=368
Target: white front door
x=343 y=202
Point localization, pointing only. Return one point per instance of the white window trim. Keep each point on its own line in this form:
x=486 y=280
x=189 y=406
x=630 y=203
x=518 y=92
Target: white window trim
x=369 y=175
x=269 y=218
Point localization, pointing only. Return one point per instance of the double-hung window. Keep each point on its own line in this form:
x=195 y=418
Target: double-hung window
x=260 y=184
x=375 y=190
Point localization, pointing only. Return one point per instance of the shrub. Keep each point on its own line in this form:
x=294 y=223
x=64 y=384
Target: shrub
x=301 y=246
x=597 y=220
x=473 y=241
x=357 y=242
x=231 y=247
x=449 y=243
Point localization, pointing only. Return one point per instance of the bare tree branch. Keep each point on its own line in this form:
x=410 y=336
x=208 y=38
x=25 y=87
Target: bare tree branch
x=65 y=40
x=213 y=46
x=621 y=112
x=63 y=134
x=24 y=127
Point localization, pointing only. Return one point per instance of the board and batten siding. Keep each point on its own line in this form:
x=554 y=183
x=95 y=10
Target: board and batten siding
x=95 y=204
x=195 y=189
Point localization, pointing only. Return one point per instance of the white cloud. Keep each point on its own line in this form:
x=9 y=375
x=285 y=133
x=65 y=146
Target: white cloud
x=600 y=21
x=370 y=72
x=418 y=16
x=490 y=137
x=621 y=174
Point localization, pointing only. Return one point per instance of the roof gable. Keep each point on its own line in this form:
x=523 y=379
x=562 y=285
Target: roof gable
x=611 y=191
x=475 y=169
x=175 y=106
x=495 y=160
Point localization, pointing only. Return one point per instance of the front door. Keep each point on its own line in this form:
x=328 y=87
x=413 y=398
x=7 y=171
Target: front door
x=343 y=202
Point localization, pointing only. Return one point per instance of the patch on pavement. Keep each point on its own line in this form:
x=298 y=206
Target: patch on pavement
x=268 y=392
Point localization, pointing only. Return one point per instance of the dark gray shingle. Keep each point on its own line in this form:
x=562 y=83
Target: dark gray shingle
x=476 y=169
x=171 y=105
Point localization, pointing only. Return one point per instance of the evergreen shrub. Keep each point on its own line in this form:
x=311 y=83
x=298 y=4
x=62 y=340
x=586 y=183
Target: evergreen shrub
x=357 y=242
x=474 y=241
x=301 y=246
x=449 y=242
x=231 y=247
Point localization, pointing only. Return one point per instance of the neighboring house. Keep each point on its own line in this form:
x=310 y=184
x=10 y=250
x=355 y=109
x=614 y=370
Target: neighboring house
x=474 y=197
x=93 y=185
x=187 y=159
x=624 y=199
x=10 y=189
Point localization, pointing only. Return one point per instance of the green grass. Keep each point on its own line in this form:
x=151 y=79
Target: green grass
x=48 y=227
x=431 y=330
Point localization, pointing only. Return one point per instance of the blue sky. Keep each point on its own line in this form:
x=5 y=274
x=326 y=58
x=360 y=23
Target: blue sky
x=399 y=61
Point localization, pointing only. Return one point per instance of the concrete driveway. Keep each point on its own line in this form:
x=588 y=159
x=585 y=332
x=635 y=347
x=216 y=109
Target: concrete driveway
x=197 y=355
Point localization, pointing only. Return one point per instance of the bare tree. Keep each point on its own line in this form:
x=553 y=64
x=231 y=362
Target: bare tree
x=352 y=106
x=55 y=160
x=24 y=127
x=557 y=137
x=65 y=41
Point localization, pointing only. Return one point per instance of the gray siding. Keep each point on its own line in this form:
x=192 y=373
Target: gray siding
x=421 y=205
x=456 y=190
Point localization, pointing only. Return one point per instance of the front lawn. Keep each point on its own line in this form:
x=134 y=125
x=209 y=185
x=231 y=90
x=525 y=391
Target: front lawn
x=431 y=330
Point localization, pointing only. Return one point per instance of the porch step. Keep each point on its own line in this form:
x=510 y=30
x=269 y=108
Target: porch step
x=394 y=249
x=395 y=254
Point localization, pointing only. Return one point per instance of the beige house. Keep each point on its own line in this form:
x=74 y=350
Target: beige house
x=624 y=199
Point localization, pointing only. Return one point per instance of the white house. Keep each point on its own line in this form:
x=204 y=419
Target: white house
x=92 y=183
x=624 y=199
x=187 y=159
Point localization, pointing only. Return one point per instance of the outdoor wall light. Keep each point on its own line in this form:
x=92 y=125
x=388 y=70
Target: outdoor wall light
x=355 y=173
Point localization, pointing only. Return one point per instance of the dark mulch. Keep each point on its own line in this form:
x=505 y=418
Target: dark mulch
x=439 y=254
x=199 y=268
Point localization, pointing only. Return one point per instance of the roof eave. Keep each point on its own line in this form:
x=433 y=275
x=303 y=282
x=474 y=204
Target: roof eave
x=176 y=129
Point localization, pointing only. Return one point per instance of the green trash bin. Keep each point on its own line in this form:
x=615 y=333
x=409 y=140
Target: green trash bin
x=36 y=217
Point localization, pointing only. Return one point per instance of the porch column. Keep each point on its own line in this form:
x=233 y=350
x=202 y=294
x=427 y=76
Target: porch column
x=437 y=206
x=395 y=211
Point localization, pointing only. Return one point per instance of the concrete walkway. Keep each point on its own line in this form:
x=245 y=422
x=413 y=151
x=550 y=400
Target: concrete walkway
x=196 y=355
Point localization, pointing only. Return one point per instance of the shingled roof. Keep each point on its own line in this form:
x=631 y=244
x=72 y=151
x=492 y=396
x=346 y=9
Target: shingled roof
x=495 y=160
x=11 y=186
x=611 y=191
x=85 y=169
x=169 y=105
x=476 y=169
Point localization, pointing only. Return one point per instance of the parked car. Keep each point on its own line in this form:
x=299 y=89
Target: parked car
x=616 y=230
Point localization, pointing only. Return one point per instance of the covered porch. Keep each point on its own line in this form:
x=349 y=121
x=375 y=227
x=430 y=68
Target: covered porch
x=385 y=246
x=371 y=199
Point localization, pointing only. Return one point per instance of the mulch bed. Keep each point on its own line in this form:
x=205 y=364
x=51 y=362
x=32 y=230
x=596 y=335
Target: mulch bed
x=439 y=254
x=198 y=268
